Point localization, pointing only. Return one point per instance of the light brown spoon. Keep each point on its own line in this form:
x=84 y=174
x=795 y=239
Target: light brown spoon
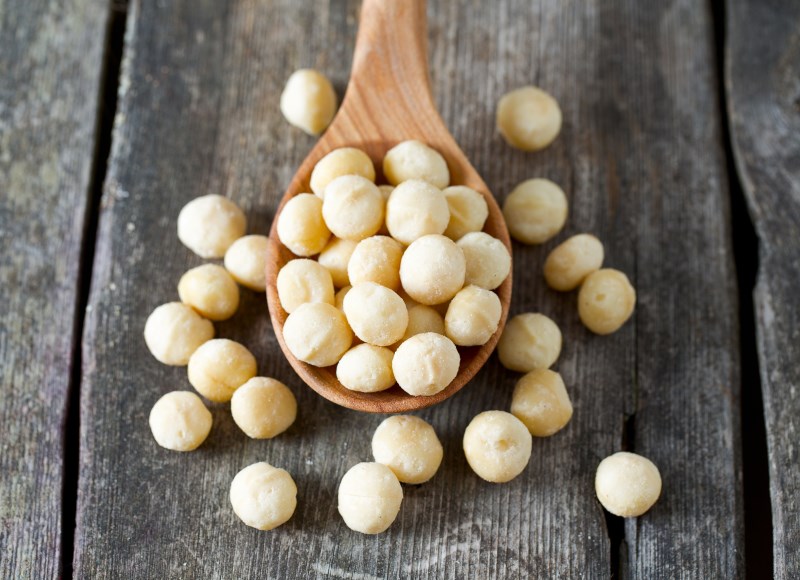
x=388 y=100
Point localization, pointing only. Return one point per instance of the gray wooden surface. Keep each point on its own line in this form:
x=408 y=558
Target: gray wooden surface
x=763 y=94
x=50 y=63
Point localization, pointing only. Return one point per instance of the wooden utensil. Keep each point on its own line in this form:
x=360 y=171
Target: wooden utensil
x=388 y=100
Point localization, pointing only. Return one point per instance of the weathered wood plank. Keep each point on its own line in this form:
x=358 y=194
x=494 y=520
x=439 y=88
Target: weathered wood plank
x=50 y=64
x=763 y=93
x=199 y=114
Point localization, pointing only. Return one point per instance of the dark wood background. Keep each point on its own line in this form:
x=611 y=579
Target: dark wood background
x=679 y=117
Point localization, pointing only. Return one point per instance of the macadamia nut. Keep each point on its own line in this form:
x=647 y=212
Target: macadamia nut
x=473 y=316
x=528 y=118
x=627 y=484
x=339 y=298
x=571 y=261
x=468 y=211
x=335 y=257
x=409 y=447
x=487 y=258
x=301 y=227
x=606 y=301
x=376 y=259
x=415 y=160
x=308 y=101
x=497 y=446
x=376 y=314
x=421 y=319
x=535 y=211
x=263 y=497
x=416 y=208
x=173 y=331
x=301 y=281
x=541 y=402
x=366 y=368
x=369 y=498
x=219 y=367
x=210 y=290
x=344 y=161
x=180 y=421
x=353 y=207
x=317 y=333
x=529 y=342
x=425 y=364
x=246 y=261
x=208 y=225
x=263 y=408
x=432 y=269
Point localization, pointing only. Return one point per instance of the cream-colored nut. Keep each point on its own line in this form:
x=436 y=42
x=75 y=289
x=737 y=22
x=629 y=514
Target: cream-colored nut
x=497 y=446
x=488 y=260
x=180 y=421
x=432 y=269
x=425 y=364
x=386 y=191
x=344 y=161
x=335 y=257
x=376 y=259
x=369 y=498
x=173 y=331
x=353 y=207
x=606 y=301
x=219 y=367
x=409 y=447
x=415 y=160
x=208 y=225
x=301 y=281
x=421 y=319
x=541 y=401
x=263 y=408
x=415 y=209
x=473 y=316
x=210 y=290
x=317 y=333
x=263 y=496
x=246 y=260
x=366 y=368
x=528 y=118
x=468 y=211
x=529 y=341
x=301 y=227
x=339 y=298
x=570 y=262
x=535 y=211
x=308 y=101
x=376 y=314
x=627 y=484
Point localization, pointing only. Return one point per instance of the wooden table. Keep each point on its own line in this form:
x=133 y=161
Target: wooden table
x=680 y=117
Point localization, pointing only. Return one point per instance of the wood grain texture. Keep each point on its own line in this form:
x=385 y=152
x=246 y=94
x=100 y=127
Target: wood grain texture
x=763 y=94
x=50 y=64
x=641 y=161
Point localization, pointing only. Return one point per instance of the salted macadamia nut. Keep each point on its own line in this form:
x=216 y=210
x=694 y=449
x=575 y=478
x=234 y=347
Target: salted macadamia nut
x=425 y=364
x=344 y=161
x=366 y=368
x=173 y=331
x=376 y=259
x=208 y=225
x=263 y=408
x=571 y=261
x=415 y=160
x=488 y=260
x=317 y=333
x=301 y=227
x=473 y=316
x=409 y=447
x=339 y=298
x=468 y=211
x=416 y=208
x=369 y=498
x=301 y=281
x=528 y=118
x=180 y=421
x=606 y=301
x=421 y=319
x=535 y=211
x=376 y=314
x=497 y=446
x=432 y=270
x=529 y=341
x=541 y=401
x=262 y=496
x=246 y=261
x=353 y=207
x=335 y=258
x=308 y=101
x=219 y=367
x=210 y=290
x=627 y=484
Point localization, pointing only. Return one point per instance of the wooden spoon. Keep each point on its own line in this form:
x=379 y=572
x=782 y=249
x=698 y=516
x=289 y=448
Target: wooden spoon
x=388 y=100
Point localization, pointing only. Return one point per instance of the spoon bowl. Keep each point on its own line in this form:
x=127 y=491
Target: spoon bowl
x=388 y=100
